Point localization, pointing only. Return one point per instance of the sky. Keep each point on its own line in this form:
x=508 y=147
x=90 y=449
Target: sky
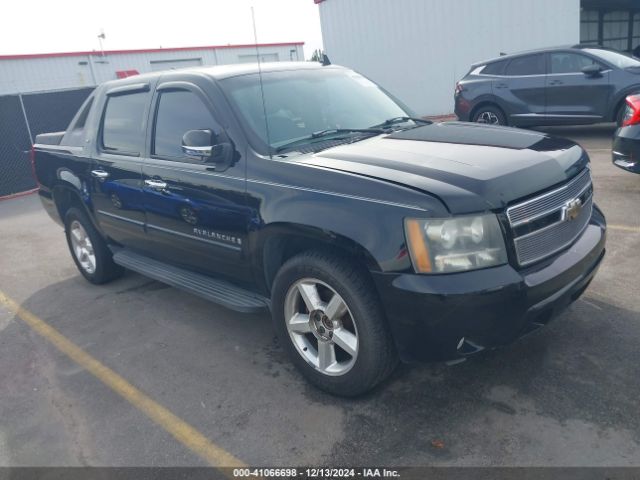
x=72 y=25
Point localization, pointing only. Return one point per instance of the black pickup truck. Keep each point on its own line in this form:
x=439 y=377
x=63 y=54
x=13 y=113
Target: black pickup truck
x=309 y=191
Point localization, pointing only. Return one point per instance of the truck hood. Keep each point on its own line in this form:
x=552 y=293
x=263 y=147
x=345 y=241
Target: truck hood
x=470 y=167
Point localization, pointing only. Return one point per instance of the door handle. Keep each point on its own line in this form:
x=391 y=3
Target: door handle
x=155 y=184
x=556 y=82
x=502 y=85
x=100 y=174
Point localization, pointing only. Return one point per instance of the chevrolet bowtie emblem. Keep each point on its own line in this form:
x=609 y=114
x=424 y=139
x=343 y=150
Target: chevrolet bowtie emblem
x=571 y=209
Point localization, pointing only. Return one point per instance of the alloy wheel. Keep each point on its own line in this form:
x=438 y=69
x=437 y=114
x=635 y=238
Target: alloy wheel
x=488 y=117
x=321 y=326
x=82 y=247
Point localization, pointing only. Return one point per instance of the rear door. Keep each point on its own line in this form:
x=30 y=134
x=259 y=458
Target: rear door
x=573 y=96
x=522 y=88
x=117 y=166
x=196 y=214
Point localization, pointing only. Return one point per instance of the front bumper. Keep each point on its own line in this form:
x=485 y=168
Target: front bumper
x=452 y=316
x=626 y=148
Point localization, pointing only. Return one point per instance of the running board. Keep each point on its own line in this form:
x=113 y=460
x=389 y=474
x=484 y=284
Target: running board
x=217 y=291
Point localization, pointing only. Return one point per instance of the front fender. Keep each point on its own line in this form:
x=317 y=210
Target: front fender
x=372 y=233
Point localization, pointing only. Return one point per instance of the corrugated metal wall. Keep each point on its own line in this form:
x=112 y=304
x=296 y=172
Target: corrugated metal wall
x=619 y=29
x=63 y=72
x=418 y=49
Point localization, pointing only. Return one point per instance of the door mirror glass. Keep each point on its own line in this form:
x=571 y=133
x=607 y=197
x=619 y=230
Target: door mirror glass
x=592 y=70
x=198 y=144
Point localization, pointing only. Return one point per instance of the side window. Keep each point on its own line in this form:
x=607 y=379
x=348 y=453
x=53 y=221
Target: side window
x=123 y=123
x=495 y=68
x=527 y=65
x=566 y=62
x=178 y=111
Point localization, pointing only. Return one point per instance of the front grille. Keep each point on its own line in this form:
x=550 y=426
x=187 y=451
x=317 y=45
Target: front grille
x=554 y=200
x=540 y=226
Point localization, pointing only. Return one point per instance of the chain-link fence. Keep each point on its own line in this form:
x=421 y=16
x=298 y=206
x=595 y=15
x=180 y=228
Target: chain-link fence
x=22 y=117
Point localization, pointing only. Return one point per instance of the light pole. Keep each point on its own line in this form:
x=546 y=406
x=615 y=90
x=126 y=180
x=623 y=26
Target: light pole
x=101 y=37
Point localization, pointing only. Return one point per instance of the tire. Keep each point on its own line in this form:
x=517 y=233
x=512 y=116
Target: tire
x=490 y=115
x=88 y=249
x=364 y=353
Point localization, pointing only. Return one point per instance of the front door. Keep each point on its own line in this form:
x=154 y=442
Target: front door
x=196 y=214
x=573 y=96
x=117 y=166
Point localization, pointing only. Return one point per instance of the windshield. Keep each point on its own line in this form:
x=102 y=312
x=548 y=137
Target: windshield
x=300 y=103
x=618 y=59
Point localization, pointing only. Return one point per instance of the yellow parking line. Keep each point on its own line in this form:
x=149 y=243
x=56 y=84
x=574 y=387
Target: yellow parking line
x=624 y=228
x=181 y=431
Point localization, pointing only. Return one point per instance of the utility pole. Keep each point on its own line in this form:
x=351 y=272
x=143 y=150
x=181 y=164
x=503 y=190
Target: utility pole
x=101 y=37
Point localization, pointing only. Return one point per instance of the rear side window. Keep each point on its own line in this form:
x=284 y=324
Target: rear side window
x=495 y=68
x=178 y=112
x=123 y=123
x=527 y=65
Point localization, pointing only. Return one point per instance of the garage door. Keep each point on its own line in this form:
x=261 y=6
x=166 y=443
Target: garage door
x=265 y=57
x=157 y=65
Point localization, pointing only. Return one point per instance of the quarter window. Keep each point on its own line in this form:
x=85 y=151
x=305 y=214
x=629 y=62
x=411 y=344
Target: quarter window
x=495 y=68
x=75 y=133
x=123 y=124
x=178 y=112
x=82 y=118
x=527 y=65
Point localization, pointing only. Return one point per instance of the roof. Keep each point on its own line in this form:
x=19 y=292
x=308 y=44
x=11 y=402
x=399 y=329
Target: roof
x=233 y=70
x=145 y=50
x=538 y=50
x=219 y=72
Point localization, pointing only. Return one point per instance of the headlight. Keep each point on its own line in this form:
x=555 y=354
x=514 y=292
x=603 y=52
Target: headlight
x=443 y=245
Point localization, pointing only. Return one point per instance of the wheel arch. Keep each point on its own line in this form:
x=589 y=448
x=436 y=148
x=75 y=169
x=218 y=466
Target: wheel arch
x=281 y=241
x=66 y=197
x=619 y=101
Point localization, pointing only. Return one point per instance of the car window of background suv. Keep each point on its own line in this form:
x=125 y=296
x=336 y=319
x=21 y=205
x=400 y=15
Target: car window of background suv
x=527 y=65
x=566 y=62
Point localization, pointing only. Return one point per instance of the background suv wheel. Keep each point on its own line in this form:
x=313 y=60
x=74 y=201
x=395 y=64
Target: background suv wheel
x=490 y=115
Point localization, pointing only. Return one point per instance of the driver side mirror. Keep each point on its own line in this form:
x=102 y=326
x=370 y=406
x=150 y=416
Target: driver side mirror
x=592 y=70
x=206 y=146
x=198 y=144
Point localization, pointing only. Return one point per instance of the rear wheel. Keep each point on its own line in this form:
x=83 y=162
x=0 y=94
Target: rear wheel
x=88 y=249
x=490 y=115
x=330 y=321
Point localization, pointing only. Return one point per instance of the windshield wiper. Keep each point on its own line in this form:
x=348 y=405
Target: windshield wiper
x=392 y=121
x=327 y=133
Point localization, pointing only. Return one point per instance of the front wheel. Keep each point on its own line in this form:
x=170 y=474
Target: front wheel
x=490 y=115
x=330 y=320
